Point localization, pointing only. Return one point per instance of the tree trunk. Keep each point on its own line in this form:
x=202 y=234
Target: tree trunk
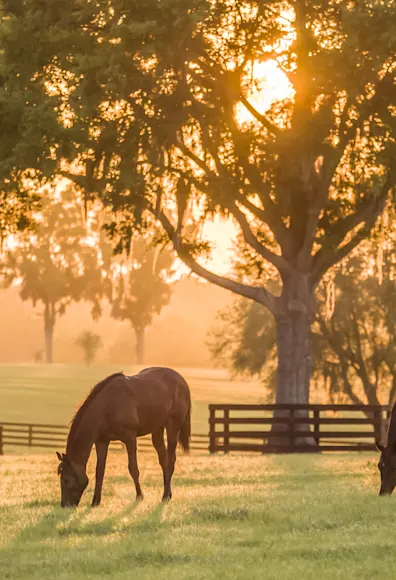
x=294 y=316
x=140 y=346
x=49 y=323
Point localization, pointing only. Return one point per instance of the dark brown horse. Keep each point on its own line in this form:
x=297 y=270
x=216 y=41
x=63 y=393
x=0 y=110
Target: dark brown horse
x=122 y=408
x=387 y=461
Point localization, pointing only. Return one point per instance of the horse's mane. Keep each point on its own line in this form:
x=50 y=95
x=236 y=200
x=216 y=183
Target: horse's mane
x=75 y=422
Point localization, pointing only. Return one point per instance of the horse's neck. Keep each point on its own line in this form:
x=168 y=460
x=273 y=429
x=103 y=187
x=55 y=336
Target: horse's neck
x=79 y=448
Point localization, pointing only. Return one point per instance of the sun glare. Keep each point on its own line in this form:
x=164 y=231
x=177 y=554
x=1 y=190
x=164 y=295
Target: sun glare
x=270 y=85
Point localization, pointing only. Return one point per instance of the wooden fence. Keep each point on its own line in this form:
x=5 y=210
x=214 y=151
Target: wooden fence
x=262 y=428
x=54 y=437
x=296 y=428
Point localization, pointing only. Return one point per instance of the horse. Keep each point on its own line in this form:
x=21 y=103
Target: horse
x=122 y=408
x=387 y=461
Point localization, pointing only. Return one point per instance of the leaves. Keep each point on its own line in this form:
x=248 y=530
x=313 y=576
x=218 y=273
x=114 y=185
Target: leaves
x=141 y=287
x=58 y=262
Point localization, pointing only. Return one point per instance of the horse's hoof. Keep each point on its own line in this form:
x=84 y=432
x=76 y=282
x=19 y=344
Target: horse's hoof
x=95 y=504
x=140 y=497
x=166 y=498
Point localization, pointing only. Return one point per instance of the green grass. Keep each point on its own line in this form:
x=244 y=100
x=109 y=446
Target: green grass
x=51 y=393
x=232 y=517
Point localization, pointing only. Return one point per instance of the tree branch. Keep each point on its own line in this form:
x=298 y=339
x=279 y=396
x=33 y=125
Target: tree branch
x=272 y=214
x=258 y=294
x=341 y=355
x=328 y=257
x=279 y=262
x=259 y=117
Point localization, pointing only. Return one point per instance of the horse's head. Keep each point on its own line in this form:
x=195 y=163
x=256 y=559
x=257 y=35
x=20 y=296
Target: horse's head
x=73 y=480
x=387 y=468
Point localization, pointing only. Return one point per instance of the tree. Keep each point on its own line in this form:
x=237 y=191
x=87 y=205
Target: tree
x=90 y=344
x=150 y=91
x=357 y=345
x=354 y=342
x=57 y=264
x=142 y=289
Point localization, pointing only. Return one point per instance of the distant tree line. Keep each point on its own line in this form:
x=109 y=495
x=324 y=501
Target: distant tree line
x=65 y=256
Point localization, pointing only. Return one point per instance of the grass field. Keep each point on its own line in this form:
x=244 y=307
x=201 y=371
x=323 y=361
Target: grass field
x=234 y=517
x=51 y=393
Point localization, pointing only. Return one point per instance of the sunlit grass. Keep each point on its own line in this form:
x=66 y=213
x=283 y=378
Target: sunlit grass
x=231 y=517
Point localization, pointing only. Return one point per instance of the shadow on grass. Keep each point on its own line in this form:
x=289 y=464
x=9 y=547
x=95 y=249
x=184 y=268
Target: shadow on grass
x=60 y=543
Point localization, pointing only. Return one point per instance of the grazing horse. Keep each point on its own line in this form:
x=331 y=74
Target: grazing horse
x=122 y=408
x=387 y=461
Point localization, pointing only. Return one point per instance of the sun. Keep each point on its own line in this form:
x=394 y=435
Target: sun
x=270 y=85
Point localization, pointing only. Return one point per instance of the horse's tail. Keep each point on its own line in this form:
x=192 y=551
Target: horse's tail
x=185 y=432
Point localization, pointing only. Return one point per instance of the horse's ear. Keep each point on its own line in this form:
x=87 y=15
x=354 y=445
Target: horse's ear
x=59 y=456
x=380 y=447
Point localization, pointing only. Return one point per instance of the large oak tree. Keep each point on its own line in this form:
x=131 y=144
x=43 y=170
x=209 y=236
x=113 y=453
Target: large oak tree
x=146 y=97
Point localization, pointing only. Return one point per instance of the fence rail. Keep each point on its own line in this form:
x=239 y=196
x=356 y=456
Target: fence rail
x=296 y=428
x=54 y=436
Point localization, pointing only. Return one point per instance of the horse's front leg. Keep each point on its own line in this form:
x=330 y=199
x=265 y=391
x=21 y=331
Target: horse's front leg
x=172 y=433
x=158 y=441
x=131 y=445
x=101 y=455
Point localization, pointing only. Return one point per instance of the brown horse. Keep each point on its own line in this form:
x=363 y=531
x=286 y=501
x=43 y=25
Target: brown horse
x=387 y=461
x=122 y=408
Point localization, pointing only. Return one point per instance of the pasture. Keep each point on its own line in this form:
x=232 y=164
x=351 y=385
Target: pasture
x=232 y=517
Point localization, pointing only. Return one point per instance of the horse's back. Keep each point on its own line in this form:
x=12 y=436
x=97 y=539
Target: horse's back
x=153 y=397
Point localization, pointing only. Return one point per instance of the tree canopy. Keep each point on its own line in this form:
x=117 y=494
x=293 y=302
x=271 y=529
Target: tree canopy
x=159 y=109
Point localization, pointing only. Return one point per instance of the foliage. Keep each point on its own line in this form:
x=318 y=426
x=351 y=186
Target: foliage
x=145 y=93
x=356 y=346
x=137 y=103
x=243 y=339
x=141 y=288
x=15 y=213
x=90 y=342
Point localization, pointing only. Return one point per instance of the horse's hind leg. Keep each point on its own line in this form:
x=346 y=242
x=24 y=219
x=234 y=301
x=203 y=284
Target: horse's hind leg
x=131 y=446
x=101 y=455
x=159 y=444
x=173 y=438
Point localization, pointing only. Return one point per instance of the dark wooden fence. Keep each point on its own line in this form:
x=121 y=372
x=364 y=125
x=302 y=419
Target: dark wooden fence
x=262 y=428
x=296 y=428
x=54 y=437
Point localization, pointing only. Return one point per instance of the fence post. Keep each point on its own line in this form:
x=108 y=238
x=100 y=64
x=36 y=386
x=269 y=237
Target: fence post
x=291 y=427
x=378 y=426
x=226 y=430
x=30 y=441
x=316 y=415
x=1 y=440
x=212 y=429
